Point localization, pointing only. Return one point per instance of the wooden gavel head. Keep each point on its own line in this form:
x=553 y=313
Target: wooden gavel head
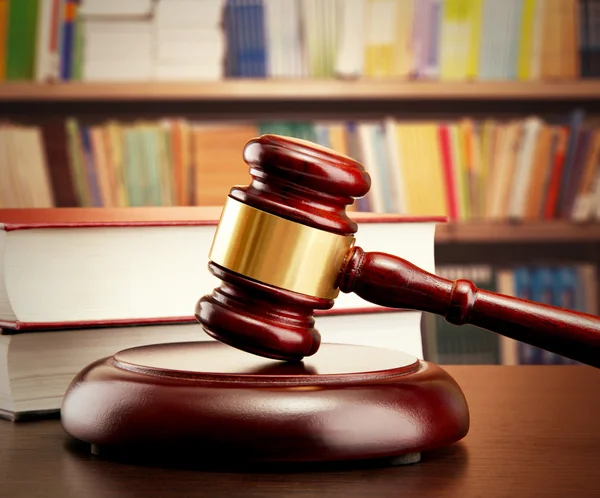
x=279 y=247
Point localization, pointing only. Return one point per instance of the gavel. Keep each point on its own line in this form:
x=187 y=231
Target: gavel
x=285 y=247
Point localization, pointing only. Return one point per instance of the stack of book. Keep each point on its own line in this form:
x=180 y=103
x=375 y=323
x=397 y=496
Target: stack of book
x=77 y=285
x=189 y=40
x=115 y=43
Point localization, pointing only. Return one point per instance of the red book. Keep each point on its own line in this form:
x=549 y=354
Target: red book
x=556 y=175
x=444 y=136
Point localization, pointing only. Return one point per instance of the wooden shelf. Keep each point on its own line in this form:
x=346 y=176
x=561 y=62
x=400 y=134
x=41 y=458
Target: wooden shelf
x=530 y=232
x=274 y=90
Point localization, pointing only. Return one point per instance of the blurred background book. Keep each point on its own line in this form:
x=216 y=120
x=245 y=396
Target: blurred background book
x=484 y=112
x=162 y=40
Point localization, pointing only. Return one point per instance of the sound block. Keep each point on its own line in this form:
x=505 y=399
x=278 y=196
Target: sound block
x=213 y=402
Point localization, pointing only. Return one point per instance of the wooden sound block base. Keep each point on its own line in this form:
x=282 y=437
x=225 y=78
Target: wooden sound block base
x=212 y=402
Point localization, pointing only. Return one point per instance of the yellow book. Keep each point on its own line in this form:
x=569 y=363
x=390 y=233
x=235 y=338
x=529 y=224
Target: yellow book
x=486 y=155
x=455 y=39
x=102 y=165
x=524 y=58
x=475 y=14
x=114 y=147
x=337 y=138
x=381 y=27
x=401 y=61
x=3 y=35
x=423 y=184
x=437 y=190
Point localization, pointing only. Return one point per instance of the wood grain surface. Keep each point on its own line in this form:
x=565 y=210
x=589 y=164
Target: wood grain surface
x=535 y=431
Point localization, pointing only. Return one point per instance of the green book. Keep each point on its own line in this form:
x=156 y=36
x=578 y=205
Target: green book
x=21 y=40
x=77 y=55
x=76 y=163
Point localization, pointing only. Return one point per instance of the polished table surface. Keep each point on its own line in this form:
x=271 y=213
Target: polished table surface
x=535 y=431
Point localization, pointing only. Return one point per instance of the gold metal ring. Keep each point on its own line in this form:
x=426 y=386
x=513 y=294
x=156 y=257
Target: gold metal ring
x=279 y=252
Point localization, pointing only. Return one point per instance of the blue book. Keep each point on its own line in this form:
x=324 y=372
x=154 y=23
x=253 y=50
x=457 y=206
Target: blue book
x=90 y=167
x=247 y=35
x=231 y=27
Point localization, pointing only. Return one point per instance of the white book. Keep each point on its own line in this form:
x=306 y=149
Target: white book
x=522 y=176
x=587 y=205
x=111 y=70
x=274 y=38
x=350 y=55
x=94 y=27
x=193 y=14
x=188 y=35
x=90 y=272
x=43 y=57
x=36 y=368
x=188 y=72
x=191 y=53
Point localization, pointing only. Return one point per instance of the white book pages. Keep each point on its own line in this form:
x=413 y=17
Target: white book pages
x=274 y=38
x=118 y=71
x=116 y=8
x=192 y=14
x=106 y=27
x=199 y=72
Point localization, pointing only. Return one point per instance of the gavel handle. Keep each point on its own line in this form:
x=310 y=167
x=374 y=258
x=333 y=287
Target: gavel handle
x=393 y=282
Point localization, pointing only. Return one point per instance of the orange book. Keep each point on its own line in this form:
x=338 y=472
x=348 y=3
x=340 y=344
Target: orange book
x=570 y=39
x=182 y=156
x=104 y=171
x=591 y=163
x=218 y=160
x=541 y=160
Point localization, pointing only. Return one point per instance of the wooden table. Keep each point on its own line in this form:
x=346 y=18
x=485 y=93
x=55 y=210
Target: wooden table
x=535 y=431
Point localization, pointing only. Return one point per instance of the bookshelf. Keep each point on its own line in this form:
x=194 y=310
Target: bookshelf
x=306 y=90
x=537 y=232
